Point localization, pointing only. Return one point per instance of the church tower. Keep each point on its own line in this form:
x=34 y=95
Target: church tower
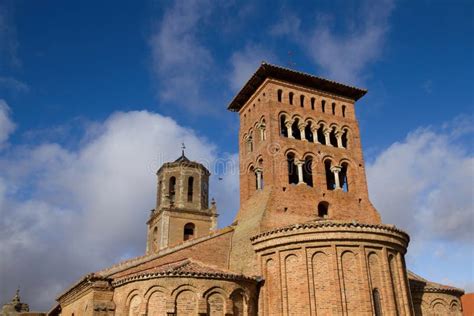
x=182 y=209
x=299 y=141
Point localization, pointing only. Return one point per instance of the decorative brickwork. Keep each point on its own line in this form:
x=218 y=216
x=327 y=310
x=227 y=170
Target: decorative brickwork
x=306 y=239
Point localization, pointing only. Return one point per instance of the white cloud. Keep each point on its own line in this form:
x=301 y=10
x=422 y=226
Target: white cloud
x=341 y=46
x=180 y=61
x=424 y=185
x=6 y=124
x=344 y=56
x=289 y=25
x=245 y=62
x=65 y=212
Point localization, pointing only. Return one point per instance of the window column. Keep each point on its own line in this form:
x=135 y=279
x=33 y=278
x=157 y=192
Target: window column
x=301 y=127
x=288 y=125
x=336 y=170
x=339 y=139
x=261 y=127
x=299 y=164
x=258 y=173
x=314 y=130
x=326 y=132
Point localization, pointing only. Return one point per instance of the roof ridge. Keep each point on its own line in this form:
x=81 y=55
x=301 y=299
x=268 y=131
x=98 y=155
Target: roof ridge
x=267 y=70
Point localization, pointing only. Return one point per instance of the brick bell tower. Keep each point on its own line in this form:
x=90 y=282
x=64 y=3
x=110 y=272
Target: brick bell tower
x=299 y=141
x=182 y=206
x=305 y=222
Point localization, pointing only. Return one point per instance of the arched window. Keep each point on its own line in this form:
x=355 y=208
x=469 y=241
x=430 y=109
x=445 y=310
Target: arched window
x=312 y=103
x=302 y=101
x=283 y=129
x=323 y=209
x=330 y=180
x=250 y=143
x=332 y=137
x=343 y=177
x=290 y=97
x=320 y=136
x=377 y=304
x=155 y=239
x=190 y=189
x=252 y=179
x=308 y=133
x=333 y=108
x=262 y=127
x=172 y=188
x=343 y=111
x=238 y=303
x=308 y=171
x=256 y=179
x=295 y=129
x=280 y=95
x=160 y=187
x=189 y=231
x=292 y=170
x=344 y=138
x=323 y=106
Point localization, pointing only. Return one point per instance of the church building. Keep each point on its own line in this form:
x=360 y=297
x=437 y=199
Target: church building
x=306 y=239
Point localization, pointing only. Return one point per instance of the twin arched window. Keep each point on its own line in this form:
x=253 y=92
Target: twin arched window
x=300 y=171
x=336 y=176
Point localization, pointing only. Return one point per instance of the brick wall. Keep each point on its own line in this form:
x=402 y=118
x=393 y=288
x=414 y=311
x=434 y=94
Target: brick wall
x=333 y=271
x=292 y=203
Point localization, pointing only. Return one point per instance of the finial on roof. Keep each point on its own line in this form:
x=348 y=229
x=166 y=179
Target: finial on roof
x=16 y=298
x=182 y=149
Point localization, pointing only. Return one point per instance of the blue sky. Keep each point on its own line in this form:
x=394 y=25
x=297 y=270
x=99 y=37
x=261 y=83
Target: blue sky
x=100 y=93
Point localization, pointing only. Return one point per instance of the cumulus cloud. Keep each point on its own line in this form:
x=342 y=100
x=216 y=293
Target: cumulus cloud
x=424 y=184
x=341 y=46
x=289 y=25
x=245 y=62
x=66 y=212
x=6 y=124
x=180 y=61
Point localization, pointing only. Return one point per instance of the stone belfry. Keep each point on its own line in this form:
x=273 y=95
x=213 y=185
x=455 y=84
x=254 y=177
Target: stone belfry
x=182 y=209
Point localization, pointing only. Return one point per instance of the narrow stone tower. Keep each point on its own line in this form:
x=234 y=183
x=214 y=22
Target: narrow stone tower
x=182 y=206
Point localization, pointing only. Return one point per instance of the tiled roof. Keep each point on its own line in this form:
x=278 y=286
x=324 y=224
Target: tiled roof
x=419 y=284
x=280 y=73
x=330 y=224
x=137 y=261
x=183 y=268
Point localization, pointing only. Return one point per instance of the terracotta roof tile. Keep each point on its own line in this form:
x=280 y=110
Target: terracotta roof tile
x=285 y=74
x=419 y=284
x=182 y=268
